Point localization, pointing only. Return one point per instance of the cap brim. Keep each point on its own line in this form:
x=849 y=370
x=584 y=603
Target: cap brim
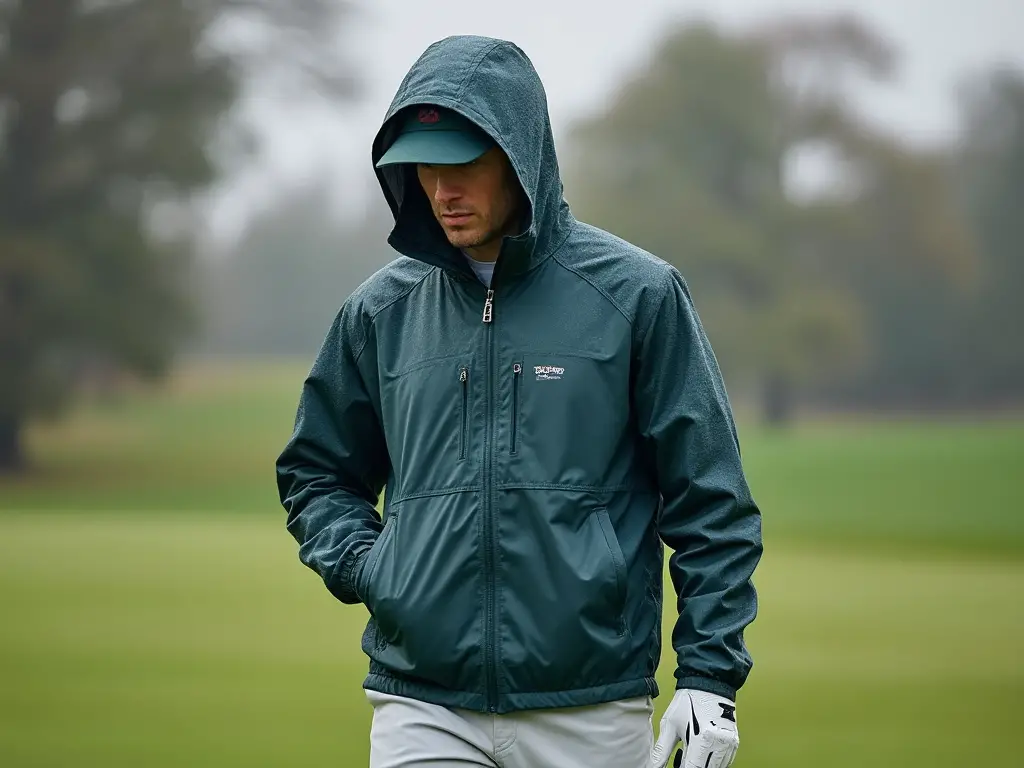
x=435 y=148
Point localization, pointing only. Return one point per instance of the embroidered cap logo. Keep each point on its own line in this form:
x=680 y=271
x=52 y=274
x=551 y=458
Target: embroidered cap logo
x=429 y=115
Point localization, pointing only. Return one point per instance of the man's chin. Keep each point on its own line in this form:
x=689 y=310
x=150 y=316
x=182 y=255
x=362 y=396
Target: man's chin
x=463 y=239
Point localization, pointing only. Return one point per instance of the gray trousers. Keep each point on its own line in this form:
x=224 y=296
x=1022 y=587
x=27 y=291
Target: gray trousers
x=412 y=734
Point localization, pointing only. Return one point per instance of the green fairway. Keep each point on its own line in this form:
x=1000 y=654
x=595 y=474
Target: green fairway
x=207 y=443
x=163 y=642
x=155 y=612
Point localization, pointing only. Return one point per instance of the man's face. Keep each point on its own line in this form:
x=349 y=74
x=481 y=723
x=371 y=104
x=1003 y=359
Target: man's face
x=476 y=203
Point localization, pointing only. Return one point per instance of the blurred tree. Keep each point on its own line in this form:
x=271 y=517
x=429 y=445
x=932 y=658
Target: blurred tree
x=278 y=289
x=110 y=116
x=692 y=160
x=990 y=171
x=903 y=249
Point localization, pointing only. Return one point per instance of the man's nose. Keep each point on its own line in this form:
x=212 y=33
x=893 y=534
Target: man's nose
x=446 y=191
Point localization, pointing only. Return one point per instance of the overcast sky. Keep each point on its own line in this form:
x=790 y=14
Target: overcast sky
x=583 y=47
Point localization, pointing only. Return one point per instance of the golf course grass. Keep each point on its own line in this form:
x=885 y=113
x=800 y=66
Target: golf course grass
x=155 y=612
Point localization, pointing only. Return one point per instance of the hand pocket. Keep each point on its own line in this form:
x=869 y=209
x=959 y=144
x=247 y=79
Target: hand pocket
x=364 y=587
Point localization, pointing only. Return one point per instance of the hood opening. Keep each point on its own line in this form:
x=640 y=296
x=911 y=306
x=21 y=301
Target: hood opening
x=417 y=232
x=493 y=84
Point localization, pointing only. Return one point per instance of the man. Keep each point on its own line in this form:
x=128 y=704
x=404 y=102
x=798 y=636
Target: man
x=540 y=405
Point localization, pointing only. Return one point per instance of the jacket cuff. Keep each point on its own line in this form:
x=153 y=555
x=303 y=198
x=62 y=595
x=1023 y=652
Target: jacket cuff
x=707 y=684
x=343 y=582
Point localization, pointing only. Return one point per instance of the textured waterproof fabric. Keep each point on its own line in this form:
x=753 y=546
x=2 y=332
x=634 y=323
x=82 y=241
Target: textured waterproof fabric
x=532 y=466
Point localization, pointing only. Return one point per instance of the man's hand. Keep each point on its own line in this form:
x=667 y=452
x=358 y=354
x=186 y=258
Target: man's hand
x=705 y=723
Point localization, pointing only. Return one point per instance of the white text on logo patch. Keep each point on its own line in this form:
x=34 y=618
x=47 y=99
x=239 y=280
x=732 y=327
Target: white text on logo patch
x=548 y=372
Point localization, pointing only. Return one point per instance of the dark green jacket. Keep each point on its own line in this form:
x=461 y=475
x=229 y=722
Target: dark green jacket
x=533 y=465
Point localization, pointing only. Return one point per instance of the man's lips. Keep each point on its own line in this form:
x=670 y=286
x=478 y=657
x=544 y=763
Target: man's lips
x=455 y=219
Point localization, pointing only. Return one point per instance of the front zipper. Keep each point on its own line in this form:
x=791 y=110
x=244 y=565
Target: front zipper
x=490 y=633
x=489 y=629
x=489 y=306
x=463 y=437
x=517 y=374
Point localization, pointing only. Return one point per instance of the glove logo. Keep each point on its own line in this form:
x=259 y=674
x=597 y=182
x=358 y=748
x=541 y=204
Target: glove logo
x=728 y=712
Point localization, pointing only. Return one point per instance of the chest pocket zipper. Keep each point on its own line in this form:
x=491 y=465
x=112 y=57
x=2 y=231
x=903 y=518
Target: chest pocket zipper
x=463 y=436
x=517 y=376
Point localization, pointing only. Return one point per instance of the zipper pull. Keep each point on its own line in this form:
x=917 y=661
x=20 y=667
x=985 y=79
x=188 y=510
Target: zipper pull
x=517 y=368
x=489 y=307
x=463 y=375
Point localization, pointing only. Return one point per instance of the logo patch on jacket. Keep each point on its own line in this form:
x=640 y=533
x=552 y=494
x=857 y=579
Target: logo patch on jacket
x=548 y=372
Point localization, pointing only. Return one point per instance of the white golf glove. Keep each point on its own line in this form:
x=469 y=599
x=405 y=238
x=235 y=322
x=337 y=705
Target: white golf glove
x=705 y=723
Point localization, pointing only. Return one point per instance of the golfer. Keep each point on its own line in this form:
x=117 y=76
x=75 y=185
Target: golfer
x=539 y=405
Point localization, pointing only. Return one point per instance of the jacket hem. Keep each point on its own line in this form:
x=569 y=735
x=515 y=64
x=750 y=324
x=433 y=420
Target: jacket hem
x=512 y=702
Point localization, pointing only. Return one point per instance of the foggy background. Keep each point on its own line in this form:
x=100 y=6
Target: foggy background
x=906 y=80
x=187 y=198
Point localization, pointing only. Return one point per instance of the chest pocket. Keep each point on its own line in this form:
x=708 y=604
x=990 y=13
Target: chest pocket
x=429 y=413
x=566 y=414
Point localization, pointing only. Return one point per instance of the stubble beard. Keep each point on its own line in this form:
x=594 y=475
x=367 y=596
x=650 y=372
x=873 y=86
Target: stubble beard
x=471 y=238
x=478 y=236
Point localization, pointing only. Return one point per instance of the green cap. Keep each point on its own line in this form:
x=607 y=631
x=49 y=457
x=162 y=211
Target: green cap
x=436 y=136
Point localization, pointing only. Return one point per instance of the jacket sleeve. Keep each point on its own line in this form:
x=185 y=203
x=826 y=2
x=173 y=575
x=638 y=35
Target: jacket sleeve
x=332 y=470
x=707 y=517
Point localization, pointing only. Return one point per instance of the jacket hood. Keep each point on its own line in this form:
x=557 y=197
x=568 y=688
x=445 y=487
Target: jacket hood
x=492 y=83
